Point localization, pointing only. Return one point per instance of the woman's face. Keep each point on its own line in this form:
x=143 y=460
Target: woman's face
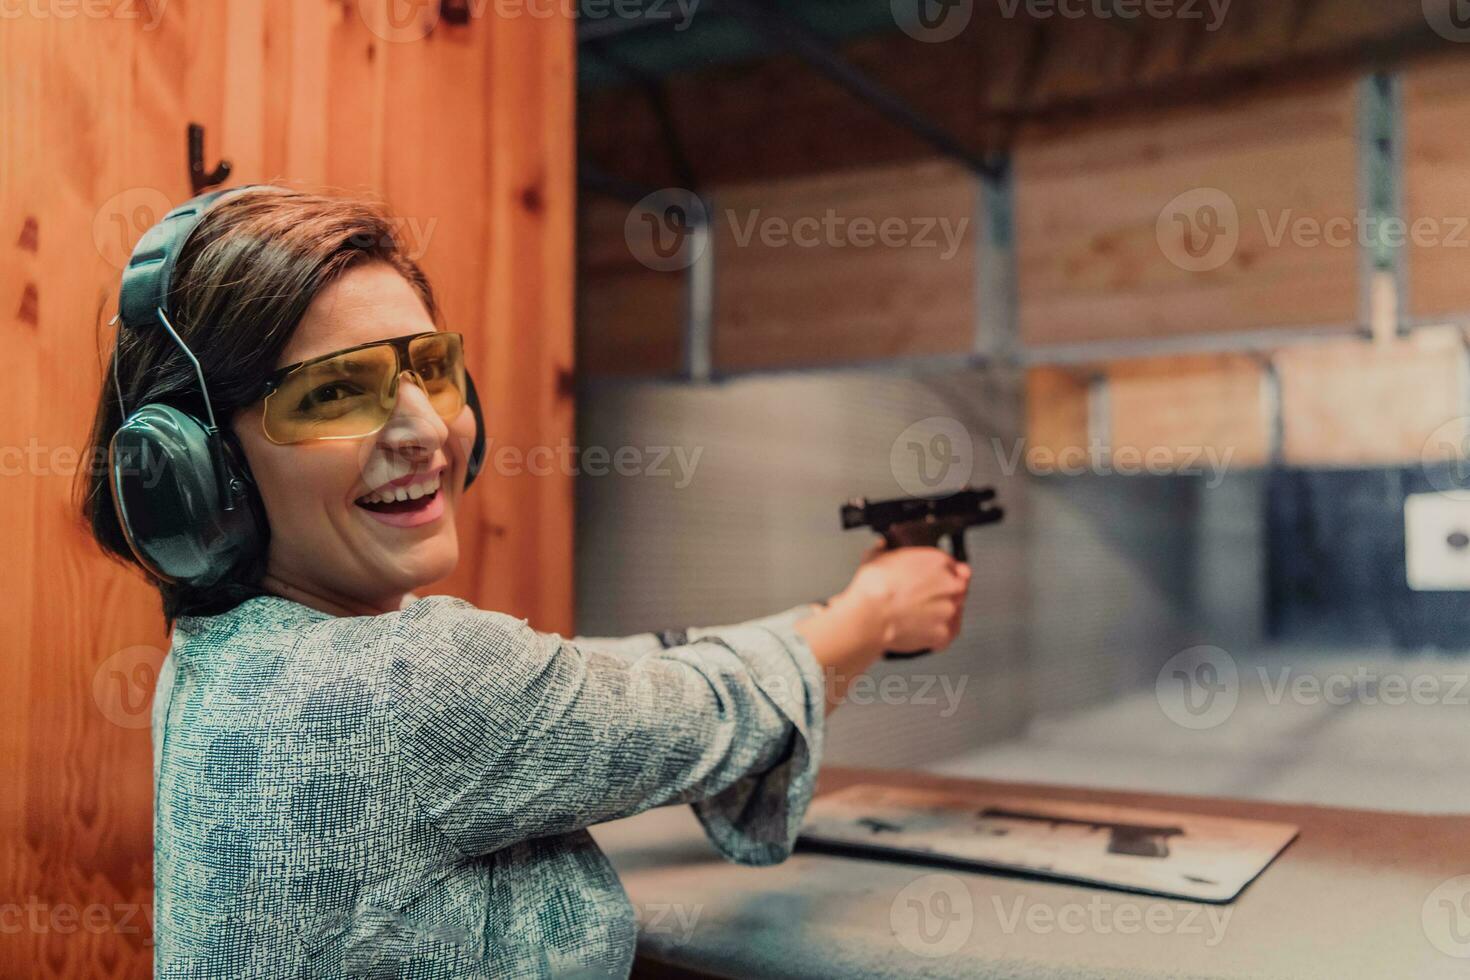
x=324 y=540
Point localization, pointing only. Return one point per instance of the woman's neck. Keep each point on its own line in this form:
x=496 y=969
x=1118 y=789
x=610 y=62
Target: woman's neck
x=334 y=605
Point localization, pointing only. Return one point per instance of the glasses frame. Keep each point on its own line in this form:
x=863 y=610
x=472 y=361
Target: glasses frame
x=400 y=347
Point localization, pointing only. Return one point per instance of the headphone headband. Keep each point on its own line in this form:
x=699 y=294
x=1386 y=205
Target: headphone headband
x=150 y=271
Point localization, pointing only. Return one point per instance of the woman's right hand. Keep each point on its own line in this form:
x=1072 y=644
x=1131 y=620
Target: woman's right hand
x=906 y=600
x=918 y=595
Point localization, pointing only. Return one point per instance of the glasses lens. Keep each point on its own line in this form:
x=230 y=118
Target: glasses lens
x=348 y=395
x=438 y=359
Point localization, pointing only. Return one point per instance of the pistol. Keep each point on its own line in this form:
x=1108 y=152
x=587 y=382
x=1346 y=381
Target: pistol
x=908 y=522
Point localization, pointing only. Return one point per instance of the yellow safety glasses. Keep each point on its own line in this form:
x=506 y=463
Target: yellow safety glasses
x=353 y=392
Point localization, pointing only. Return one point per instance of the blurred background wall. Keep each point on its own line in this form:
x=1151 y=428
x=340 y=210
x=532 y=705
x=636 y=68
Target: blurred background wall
x=1201 y=320
x=464 y=126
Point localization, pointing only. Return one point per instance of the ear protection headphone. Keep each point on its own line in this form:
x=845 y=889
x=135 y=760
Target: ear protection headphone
x=183 y=491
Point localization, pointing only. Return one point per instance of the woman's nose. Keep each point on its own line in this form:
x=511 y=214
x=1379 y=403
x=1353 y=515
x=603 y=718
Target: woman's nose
x=414 y=428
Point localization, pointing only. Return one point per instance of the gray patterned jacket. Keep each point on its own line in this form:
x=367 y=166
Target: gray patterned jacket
x=405 y=795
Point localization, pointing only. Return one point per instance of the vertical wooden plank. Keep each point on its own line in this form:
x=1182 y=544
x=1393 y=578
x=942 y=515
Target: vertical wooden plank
x=21 y=215
x=243 y=127
x=304 y=129
x=1437 y=188
x=357 y=85
x=530 y=99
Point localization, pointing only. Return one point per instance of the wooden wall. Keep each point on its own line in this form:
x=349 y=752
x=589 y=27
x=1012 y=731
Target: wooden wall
x=1105 y=211
x=836 y=291
x=778 y=118
x=806 y=274
x=466 y=131
x=1100 y=239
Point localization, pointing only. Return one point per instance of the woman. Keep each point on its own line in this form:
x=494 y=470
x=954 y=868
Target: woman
x=353 y=781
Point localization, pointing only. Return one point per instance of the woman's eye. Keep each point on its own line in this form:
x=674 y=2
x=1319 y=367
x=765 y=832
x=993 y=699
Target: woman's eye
x=331 y=392
x=432 y=370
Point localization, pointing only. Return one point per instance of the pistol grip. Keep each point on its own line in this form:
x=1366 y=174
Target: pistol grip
x=957 y=546
x=895 y=655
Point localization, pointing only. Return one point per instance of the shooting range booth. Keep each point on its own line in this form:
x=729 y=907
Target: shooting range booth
x=1148 y=273
x=1157 y=309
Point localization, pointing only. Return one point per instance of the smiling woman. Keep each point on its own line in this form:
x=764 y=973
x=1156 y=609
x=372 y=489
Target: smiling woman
x=351 y=780
x=269 y=276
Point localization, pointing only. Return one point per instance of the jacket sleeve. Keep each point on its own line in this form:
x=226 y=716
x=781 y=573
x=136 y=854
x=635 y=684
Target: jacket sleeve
x=637 y=645
x=509 y=734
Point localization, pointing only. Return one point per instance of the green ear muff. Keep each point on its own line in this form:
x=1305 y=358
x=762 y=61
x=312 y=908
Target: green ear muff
x=477 y=451
x=167 y=495
x=184 y=498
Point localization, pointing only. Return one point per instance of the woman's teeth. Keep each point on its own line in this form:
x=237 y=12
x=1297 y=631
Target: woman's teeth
x=413 y=491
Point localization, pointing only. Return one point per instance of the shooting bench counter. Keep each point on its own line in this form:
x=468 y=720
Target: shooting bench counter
x=1351 y=897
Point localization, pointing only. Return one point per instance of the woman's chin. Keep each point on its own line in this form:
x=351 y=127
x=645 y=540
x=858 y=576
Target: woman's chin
x=425 y=567
x=425 y=563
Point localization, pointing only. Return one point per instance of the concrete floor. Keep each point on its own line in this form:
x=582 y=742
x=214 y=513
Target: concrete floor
x=1362 y=729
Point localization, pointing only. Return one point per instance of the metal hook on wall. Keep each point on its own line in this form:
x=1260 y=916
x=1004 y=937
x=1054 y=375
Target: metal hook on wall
x=199 y=179
x=455 y=12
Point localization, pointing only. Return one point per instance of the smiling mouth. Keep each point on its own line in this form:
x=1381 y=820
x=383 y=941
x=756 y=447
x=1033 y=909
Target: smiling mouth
x=410 y=499
x=409 y=506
